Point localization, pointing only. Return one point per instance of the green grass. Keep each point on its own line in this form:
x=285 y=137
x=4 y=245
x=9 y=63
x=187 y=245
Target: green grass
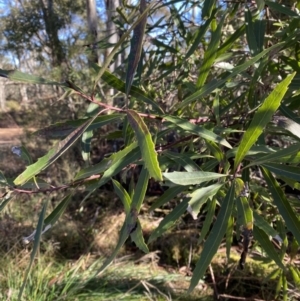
x=50 y=280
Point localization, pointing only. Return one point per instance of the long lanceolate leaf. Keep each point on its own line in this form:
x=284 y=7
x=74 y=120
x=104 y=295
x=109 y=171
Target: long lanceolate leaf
x=136 y=92
x=107 y=163
x=282 y=170
x=261 y=118
x=199 y=34
x=123 y=195
x=285 y=152
x=214 y=84
x=53 y=154
x=201 y=195
x=264 y=240
x=131 y=224
x=168 y=195
x=36 y=245
x=169 y=220
x=207 y=8
x=136 y=47
x=146 y=144
x=283 y=205
x=197 y=130
x=18 y=76
x=5 y=199
x=191 y=178
x=250 y=32
x=214 y=239
x=52 y=218
x=210 y=54
x=63 y=129
x=121 y=41
x=137 y=200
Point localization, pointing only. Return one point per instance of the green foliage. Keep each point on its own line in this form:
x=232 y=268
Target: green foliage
x=203 y=121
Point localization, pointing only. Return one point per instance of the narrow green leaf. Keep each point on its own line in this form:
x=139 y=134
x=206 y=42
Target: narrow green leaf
x=201 y=195
x=169 y=220
x=214 y=84
x=146 y=144
x=5 y=199
x=52 y=218
x=210 y=53
x=140 y=190
x=244 y=213
x=283 y=205
x=217 y=152
x=279 y=285
x=131 y=225
x=160 y=44
x=53 y=154
x=121 y=42
x=199 y=34
x=264 y=241
x=87 y=136
x=228 y=44
x=260 y=4
x=18 y=76
x=295 y=274
x=138 y=239
x=86 y=145
x=183 y=160
x=123 y=195
x=136 y=47
x=124 y=234
x=94 y=169
x=35 y=248
x=208 y=219
x=255 y=151
x=3 y=181
x=35 y=183
x=287 y=112
x=253 y=98
x=191 y=178
x=115 y=164
x=113 y=170
x=229 y=236
x=261 y=118
x=214 y=239
x=216 y=109
x=281 y=8
x=118 y=165
x=250 y=32
x=260 y=33
x=291 y=172
x=264 y=225
x=105 y=163
x=207 y=8
x=63 y=129
x=276 y=156
x=197 y=130
x=290 y=125
x=168 y=195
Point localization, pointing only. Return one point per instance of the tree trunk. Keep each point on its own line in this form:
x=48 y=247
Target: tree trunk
x=24 y=97
x=93 y=30
x=52 y=28
x=112 y=35
x=2 y=94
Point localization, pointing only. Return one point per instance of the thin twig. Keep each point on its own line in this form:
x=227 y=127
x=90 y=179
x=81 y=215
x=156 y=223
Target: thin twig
x=225 y=296
x=214 y=282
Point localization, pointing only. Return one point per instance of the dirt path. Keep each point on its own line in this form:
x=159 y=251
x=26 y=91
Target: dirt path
x=11 y=135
